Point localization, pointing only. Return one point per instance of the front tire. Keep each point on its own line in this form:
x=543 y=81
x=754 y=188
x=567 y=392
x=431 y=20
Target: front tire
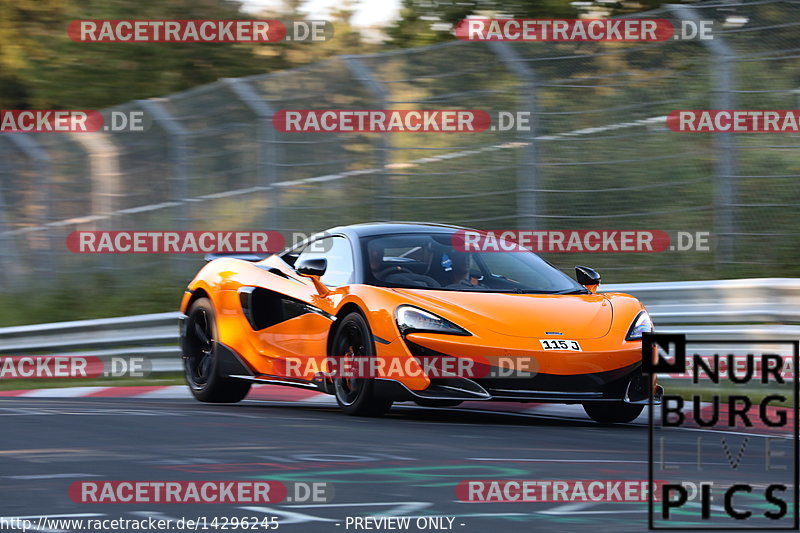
x=356 y=396
x=613 y=412
x=200 y=359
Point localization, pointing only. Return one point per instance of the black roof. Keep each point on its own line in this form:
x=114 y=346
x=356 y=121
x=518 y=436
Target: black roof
x=388 y=228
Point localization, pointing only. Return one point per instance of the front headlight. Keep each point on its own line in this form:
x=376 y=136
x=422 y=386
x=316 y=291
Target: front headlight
x=641 y=324
x=415 y=320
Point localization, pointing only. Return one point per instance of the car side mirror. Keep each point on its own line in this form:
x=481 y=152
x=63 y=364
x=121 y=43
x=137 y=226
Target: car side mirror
x=314 y=268
x=588 y=277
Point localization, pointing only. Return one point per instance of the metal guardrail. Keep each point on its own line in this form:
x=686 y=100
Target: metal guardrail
x=765 y=308
x=154 y=336
x=735 y=301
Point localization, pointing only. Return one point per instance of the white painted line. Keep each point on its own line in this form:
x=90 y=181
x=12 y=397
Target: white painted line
x=633 y=461
x=52 y=476
x=170 y=392
x=411 y=506
x=578 y=508
x=67 y=392
x=32 y=517
x=321 y=399
x=739 y=433
x=560 y=410
x=288 y=517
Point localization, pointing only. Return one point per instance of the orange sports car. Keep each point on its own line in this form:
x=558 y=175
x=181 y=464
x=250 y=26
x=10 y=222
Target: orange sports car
x=381 y=313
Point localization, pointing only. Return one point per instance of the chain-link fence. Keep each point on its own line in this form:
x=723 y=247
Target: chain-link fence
x=599 y=155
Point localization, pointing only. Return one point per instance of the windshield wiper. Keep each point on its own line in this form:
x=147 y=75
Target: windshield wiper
x=536 y=291
x=574 y=291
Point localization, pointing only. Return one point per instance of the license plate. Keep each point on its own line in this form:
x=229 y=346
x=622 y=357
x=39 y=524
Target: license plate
x=560 y=344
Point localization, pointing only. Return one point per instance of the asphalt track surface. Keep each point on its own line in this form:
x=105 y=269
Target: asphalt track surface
x=404 y=464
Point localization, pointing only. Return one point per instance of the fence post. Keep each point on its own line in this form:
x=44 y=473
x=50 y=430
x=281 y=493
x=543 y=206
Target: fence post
x=105 y=182
x=383 y=184
x=178 y=155
x=528 y=208
x=105 y=174
x=723 y=144
x=9 y=257
x=267 y=146
x=34 y=152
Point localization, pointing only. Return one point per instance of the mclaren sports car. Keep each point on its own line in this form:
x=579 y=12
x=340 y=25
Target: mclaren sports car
x=394 y=312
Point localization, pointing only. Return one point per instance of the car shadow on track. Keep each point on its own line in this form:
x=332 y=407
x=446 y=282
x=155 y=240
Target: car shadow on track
x=462 y=416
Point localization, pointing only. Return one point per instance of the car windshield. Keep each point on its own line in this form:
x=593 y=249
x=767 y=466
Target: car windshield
x=431 y=261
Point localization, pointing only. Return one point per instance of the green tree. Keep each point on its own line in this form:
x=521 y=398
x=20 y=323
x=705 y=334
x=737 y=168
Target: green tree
x=425 y=22
x=40 y=67
x=346 y=39
x=26 y=27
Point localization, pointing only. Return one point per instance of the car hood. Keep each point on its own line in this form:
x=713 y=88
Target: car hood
x=575 y=316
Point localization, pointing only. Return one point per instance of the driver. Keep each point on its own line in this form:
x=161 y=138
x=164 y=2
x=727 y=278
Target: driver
x=375 y=260
x=460 y=268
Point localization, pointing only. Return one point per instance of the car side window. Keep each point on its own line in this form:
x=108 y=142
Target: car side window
x=338 y=252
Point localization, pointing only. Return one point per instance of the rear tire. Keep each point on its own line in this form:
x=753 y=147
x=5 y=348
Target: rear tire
x=200 y=358
x=356 y=396
x=613 y=412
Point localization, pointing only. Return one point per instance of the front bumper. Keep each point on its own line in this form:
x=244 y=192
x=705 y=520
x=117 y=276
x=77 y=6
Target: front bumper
x=626 y=384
